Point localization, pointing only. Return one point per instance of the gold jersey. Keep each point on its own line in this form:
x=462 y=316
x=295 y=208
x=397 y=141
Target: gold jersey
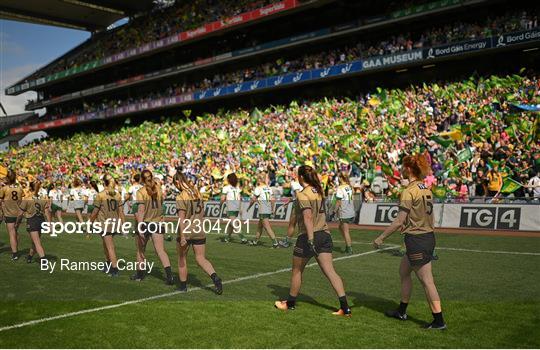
x=152 y=206
x=11 y=196
x=194 y=209
x=108 y=205
x=34 y=206
x=417 y=201
x=309 y=198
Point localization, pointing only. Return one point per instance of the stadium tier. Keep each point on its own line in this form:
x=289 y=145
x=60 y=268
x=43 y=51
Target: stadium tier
x=480 y=134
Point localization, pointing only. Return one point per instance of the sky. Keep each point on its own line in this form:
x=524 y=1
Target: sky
x=26 y=47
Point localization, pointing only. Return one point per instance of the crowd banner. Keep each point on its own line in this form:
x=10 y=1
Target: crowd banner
x=393 y=59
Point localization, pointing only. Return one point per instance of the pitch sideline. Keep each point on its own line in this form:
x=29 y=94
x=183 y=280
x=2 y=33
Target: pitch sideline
x=164 y=295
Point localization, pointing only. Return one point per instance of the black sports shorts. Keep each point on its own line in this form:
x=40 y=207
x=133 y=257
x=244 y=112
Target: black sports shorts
x=321 y=239
x=10 y=219
x=150 y=228
x=33 y=224
x=195 y=241
x=420 y=248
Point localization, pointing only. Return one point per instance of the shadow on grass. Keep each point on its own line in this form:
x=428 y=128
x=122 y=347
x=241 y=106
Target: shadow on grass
x=377 y=304
x=281 y=293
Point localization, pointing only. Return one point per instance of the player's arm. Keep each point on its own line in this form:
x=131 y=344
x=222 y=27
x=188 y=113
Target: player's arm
x=394 y=226
x=97 y=207
x=47 y=210
x=23 y=206
x=121 y=214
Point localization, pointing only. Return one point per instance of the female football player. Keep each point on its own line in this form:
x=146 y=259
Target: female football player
x=314 y=240
x=191 y=232
x=56 y=196
x=264 y=197
x=107 y=207
x=345 y=209
x=148 y=217
x=77 y=196
x=415 y=218
x=35 y=210
x=295 y=188
x=10 y=198
x=231 y=196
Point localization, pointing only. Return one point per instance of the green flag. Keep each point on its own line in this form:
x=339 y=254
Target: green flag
x=445 y=142
x=439 y=192
x=464 y=155
x=510 y=186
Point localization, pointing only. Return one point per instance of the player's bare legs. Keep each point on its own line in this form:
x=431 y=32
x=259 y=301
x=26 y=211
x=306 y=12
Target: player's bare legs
x=425 y=276
x=406 y=280
x=13 y=238
x=327 y=267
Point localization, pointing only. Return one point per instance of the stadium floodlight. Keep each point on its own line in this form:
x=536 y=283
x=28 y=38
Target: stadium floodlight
x=94 y=6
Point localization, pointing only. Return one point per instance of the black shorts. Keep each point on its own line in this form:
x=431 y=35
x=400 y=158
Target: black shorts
x=321 y=239
x=420 y=248
x=150 y=228
x=196 y=241
x=10 y=219
x=33 y=224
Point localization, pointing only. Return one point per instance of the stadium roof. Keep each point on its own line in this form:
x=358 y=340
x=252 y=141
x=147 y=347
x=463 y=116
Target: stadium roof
x=77 y=14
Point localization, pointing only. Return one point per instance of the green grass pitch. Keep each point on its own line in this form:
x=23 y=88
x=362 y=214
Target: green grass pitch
x=490 y=295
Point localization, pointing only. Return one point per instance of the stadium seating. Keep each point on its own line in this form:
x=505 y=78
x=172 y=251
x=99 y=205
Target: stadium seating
x=467 y=127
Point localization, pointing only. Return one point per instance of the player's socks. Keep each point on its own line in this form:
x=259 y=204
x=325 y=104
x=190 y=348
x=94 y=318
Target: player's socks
x=402 y=309
x=169 y=279
x=182 y=287
x=348 y=249
x=138 y=276
x=29 y=259
x=217 y=283
x=14 y=256
x=438 y=319
x=291 y=302
x=343 y=304
x=114 y=272
x=275 y=243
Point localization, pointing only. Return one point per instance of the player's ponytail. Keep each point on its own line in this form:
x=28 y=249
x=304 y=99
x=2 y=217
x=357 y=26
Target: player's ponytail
x=418 y=165
x=11 y=177
x=309 y=176
x=149 y=183
x=110 y=184
x=35 y=186
x=182 y=183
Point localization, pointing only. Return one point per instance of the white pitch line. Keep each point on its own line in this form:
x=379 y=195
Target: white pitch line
x=159 y=296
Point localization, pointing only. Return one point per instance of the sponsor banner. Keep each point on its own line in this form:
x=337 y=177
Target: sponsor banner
x=466 y=216
x=457 y=48
x=382 y=214
x=494 y=217
x=516 y=37
x=390 y=60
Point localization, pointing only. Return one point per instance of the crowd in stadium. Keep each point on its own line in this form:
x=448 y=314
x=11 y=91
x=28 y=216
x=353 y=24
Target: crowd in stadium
x=354 y=51
x=181 y=16
x=475 y=137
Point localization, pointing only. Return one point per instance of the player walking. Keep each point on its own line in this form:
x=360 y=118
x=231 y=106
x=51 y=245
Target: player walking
x=314 y=240
x=264 y=197
x=77 y=196
x=191 y=232
x=415 y=218
x=10 y=199
x=35 y=210
x=231 y=196
x=107 y=206
x=345 y=209
x=295 y=188
x=149 y=215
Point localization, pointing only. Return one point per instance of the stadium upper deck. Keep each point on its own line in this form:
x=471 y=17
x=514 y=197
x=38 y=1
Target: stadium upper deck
x=182 y=76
